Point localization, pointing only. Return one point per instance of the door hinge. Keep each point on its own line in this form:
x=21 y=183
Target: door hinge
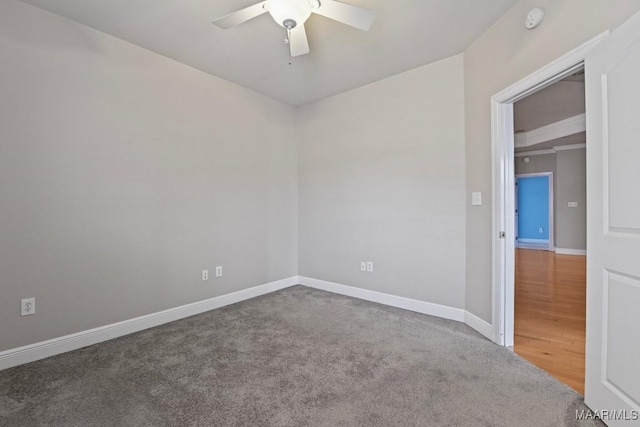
x=502 y=235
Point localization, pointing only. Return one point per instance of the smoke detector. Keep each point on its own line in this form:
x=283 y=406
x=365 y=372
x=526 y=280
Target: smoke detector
x=534 y=18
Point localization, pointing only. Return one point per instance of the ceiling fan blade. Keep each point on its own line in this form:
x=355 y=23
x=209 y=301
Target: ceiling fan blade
x=298 y=43
x=240 y=16
x=354 y=16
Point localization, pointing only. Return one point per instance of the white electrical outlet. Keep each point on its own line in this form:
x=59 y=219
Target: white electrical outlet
x=27 y=306
x=219 y=271
x=369 y=266
x=573 y=204
x=363 y=266
x=205 y=274
x=476 y=199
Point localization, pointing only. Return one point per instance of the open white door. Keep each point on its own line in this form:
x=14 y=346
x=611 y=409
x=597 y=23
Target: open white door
x=613 y=226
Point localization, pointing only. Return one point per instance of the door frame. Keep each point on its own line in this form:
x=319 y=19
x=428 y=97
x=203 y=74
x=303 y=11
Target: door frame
x=503 y=182
x=551 y=206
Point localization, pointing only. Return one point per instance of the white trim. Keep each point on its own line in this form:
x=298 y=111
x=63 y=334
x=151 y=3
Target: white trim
x=418 y=306
x=531 y=247
x=52 y=347
x=534 y=241
x=553 y=150
x=55 y=346
x=503 y=159
x=534 y=153
x=549 y=74
x=570 y=147
x=478 y=324
x=557 y=130
x=565 y=251
x=386 y=299
x=502 y=165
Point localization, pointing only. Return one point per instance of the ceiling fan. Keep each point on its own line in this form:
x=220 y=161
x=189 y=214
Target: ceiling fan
x=292 y=14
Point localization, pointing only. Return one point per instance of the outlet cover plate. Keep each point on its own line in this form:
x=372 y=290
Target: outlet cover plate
x=27 y=307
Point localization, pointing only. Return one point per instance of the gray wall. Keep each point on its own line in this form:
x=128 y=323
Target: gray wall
x=123 y=174
x=382 y=180
x=559 y=101
x=505 y=54
x=571 y=187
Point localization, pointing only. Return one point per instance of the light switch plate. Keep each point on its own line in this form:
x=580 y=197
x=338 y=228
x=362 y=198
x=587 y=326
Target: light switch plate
x=476 y=198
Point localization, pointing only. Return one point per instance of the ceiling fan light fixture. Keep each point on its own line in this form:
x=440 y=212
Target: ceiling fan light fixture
x=291 y=13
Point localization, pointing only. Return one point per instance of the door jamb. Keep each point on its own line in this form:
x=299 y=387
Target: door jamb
x=551 y=205
x=503 y=177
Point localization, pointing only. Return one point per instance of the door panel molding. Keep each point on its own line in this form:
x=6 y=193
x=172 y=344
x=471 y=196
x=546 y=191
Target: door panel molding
x=613 y=228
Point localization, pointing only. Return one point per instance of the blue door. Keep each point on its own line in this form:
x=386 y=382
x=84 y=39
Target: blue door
x=533 y=210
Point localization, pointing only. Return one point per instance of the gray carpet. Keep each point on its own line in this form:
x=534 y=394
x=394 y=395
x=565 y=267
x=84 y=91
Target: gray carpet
x=298 y=357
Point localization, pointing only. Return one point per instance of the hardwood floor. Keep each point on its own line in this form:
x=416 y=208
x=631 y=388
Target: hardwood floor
x=550 y=313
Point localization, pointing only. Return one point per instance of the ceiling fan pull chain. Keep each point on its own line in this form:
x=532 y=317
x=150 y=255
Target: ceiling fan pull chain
x=289 y=43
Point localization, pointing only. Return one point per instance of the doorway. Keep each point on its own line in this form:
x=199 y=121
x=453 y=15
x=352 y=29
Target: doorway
x=550 y=288
x=613 y=273
x=534 y=211
x=504 y=155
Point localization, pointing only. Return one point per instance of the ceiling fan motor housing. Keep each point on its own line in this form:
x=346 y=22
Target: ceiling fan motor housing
x=291 y=13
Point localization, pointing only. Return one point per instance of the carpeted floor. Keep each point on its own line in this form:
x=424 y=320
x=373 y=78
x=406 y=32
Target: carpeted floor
x=297 y=357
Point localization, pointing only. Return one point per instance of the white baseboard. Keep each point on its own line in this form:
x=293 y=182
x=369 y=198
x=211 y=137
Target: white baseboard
x=386 y=299
x=564 y=251
x=478 y=324
x=52 y=347
x=41 y=350
x=538 y=241
x=418 y=306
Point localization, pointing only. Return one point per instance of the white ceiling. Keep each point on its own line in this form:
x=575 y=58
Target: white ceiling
x=406 y=34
